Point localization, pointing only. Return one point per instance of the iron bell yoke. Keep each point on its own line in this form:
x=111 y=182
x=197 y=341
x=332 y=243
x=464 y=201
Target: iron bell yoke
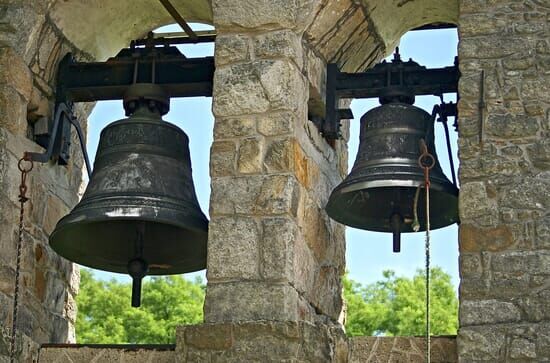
x=139 y=213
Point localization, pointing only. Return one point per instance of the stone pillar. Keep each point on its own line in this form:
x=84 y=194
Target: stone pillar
x=273 y=253
x=29 y=51
x=274 y=257
x=505 y=179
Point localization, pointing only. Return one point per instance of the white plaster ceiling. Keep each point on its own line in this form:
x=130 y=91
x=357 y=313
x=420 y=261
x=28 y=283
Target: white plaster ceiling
x=102 y=27
x=393 y=18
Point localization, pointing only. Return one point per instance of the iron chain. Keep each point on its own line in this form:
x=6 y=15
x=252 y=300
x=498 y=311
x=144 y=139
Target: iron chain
x=25 y=169
x=426 y=161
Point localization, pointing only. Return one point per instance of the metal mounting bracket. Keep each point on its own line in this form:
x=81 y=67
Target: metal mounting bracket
x=386 y=80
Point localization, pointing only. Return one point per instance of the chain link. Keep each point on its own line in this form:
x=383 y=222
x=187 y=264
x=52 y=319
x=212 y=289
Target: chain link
x=25 y=169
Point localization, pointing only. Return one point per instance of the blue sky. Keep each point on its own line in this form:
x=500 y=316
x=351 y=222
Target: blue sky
x=368 y=253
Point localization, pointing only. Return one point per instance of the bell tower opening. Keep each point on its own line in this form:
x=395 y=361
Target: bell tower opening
x=167 y=300
x=384 y=291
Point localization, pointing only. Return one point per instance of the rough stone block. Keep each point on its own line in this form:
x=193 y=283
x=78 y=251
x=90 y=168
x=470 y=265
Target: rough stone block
x=327 y=291
x=222 y=158
x=235 y=195
x=488 y=312
x=258 y=87
x=250 y=156
x=279 y=155
x=474 y=239
x=491 y=47
x=234 y=127
x=482 y=24
x=277 y=253
x=250 y=301
x=279 y=44
x=279 y=194
x=233 y=248
x=238 y=91
x=13 y=113
x=55 y=209
x=475 y=203
x=522 y=349
x=537 y=262
x=511 y=126
x=207 y=336
x=15 y=73
x=526 y=194
x=277 y=123
x=261 y=341
x=262 y=14
x=232 y=48
x=129 y=354
x=478 y=344
x=401 y=349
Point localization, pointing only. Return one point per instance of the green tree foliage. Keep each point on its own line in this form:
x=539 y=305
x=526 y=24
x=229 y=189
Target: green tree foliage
x=391 y=306
x=397 y=305
x=105 y=314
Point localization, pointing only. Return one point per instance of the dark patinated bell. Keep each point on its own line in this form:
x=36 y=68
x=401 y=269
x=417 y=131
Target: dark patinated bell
x=378 y=194
x=139 y=214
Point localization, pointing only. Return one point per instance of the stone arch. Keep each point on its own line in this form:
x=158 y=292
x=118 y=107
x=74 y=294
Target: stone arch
x=101 y=27
x=357 y=34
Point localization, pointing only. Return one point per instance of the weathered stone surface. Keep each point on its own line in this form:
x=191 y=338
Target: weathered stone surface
x=401 y=349
x=279 y=44
x=474 y=202
x=130 y=354
x=256 y=301
x=275 y=124
x=262 y=14
x=279 y=194
x=488 y=312
x=15 y=73
x=234 y=127
x=250 y=156
x=222 y=158
x=234 y=195
x=261 y=341
x=481 y=344
x=510 y=126
x=258 y=87
x=232 y=49
x=474 y=239
x=522 y=261
x=279 y=156
x=277 y=251
x=522 y=349
x=503 y=202
x=12 y=111
x=233 y=250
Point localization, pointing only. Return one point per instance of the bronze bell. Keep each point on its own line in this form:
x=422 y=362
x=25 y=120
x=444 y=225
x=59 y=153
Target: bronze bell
x=378 y=194
x=139 y=214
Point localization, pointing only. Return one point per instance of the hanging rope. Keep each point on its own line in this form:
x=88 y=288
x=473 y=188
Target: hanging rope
x=25 y=165
x=426 y=161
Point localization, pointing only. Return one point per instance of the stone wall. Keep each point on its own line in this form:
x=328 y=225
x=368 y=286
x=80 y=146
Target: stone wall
x=401 y=349
x=30 y=48
x=273 y=254
x=505 y=178
x=57 y=353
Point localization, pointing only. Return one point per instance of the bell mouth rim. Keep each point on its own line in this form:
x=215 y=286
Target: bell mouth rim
x=108 y=266
x=102 y=218
x=371 y=184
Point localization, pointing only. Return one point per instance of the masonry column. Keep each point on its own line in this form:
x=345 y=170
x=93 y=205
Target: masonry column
x=274 y=258
x=30 y=48
x=505 y=178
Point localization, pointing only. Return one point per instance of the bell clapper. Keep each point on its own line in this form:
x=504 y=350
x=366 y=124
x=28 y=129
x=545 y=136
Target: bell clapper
x=137 y=269
x=396 y=220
